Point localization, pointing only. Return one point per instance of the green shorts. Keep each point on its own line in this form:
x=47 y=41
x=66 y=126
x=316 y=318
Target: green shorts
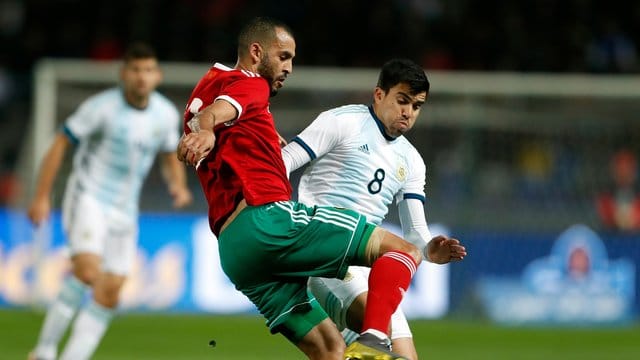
x=270 y=251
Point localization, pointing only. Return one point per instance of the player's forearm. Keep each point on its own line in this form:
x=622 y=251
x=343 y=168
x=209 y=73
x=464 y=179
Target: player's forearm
x=414 y=224
x=50 y=166
x=173 y=171
x=294 y=156
x=213 y=115
x=206 y=120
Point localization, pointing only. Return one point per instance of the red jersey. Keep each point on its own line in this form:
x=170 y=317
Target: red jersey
x=246 y=161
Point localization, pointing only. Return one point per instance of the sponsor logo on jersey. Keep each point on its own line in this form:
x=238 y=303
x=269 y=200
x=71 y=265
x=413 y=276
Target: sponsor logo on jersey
x=364 y=148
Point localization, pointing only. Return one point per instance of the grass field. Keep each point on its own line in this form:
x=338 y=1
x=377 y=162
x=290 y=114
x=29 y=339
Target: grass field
x=154 y=336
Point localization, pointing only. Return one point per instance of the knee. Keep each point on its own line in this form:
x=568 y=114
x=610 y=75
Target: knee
x=86 y=268
x=410 y=249
x=106 y=292
x=387 y=241
x=87 y=274
x=415 y=253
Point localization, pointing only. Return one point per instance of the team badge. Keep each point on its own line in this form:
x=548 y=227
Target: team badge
x=347 y=277
x=401 y=173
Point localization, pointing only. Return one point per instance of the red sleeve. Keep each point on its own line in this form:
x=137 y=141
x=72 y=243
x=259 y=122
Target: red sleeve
x=246 y=94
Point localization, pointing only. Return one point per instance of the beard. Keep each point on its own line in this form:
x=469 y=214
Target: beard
x=265 y=69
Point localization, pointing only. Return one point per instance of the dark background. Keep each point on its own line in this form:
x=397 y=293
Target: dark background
x=532 y=36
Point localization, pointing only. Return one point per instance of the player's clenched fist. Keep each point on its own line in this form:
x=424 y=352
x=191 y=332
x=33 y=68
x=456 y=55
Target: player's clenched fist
x=195 y=146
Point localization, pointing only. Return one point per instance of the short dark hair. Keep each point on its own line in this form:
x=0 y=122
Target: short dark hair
x=260 y=29
x=404 y=71
x=139 y=50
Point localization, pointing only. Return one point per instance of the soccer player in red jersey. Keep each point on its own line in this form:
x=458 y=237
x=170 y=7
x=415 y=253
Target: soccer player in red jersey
x=269 y=245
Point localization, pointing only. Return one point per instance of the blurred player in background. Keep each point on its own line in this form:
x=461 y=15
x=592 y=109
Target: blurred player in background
x=360 y=161
x=117 y=135
x=269 y=245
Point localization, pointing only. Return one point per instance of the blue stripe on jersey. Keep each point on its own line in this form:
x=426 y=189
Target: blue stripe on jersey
x=306 y=147
x=415 y=196
x=380 y=126
x=70 y=135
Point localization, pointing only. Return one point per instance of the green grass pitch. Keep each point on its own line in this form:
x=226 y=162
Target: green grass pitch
x=178 y=336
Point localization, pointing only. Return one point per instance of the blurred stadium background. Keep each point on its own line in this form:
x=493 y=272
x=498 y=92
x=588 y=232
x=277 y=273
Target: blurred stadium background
x=531 y=121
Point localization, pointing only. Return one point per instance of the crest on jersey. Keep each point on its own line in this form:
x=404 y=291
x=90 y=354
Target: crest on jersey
x=401 y=172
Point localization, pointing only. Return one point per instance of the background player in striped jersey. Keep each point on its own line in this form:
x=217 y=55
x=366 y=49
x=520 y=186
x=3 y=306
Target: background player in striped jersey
x=117 y=135
x=360 y=160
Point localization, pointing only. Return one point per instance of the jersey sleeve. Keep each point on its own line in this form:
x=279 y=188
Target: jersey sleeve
x=414 y=223
x=84 y=121
x=245 y=94
x=294 y=156
x=416 y=180
x=322 y=135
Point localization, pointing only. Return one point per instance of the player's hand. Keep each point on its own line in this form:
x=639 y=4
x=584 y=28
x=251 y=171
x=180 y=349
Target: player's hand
x=282 y=141
x=181 y=196
x=39 y=211
x=195 y=146
x=443 y=249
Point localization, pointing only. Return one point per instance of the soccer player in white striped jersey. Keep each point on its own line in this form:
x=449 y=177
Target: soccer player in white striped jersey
x=117 y=135
x=360 y=160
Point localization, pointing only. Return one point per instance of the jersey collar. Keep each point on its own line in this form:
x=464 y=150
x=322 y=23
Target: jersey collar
x=380 y=125
x=223 y=67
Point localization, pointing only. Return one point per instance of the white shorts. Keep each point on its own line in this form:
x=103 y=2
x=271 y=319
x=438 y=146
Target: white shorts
x=93 y=228
x=335 y=296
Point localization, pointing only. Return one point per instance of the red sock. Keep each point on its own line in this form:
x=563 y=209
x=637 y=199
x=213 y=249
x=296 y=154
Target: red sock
x=388 y=281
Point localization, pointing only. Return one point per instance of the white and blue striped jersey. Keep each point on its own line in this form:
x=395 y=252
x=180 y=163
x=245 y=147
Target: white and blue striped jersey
x=116 y=145
x=355 y=165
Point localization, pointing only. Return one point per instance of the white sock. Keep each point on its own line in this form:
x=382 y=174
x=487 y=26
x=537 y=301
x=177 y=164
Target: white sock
x=88 y=330
x=349 y=336
x=58 y=317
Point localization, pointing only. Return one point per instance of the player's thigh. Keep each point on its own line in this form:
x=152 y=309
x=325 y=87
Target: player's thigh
x=337 y=296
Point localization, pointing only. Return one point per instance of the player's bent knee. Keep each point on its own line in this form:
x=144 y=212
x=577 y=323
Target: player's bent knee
x=415 y=253
x=383 y=241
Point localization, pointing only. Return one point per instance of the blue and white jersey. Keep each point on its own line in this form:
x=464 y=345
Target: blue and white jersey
x=355 y=165
x=116 y=145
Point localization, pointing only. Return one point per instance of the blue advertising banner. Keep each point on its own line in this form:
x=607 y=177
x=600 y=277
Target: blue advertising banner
x=576 y=283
